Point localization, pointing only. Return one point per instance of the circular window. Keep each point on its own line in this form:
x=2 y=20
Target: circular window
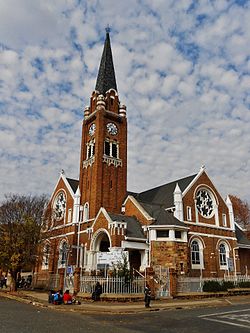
x=204 y=203
x=59 y=206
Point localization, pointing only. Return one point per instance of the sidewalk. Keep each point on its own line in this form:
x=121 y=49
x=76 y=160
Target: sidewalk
x=41 y=299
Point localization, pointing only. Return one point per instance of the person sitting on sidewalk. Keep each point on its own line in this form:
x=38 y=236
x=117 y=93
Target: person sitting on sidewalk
x=58 y=298
x=74 y=300
x=51 y=296
x=97 y=292
x=67 y=298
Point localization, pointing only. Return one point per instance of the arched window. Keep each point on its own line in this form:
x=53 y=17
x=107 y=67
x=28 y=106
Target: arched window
x=197 y=254
x=223 y=255
x=46 y=253
x=63 y=251
x=86 y=212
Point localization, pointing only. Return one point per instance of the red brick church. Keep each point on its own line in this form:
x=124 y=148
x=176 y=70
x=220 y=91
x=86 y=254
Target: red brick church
x=185 y=225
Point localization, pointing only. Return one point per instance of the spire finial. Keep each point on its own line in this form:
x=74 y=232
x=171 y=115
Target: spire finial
x=107 y=29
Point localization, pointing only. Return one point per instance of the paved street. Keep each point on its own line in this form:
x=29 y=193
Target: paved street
x=23 y=318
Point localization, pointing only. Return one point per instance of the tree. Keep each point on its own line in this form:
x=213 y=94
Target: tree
x=121 y=269
x=21 y=219
x=241 y=211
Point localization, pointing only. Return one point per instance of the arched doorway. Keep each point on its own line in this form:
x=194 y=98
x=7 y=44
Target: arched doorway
x=100 y=245
x=101 y=242
x=104 y=243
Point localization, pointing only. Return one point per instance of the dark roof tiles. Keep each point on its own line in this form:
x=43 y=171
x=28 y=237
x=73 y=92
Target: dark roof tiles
x=133 y=225
x=160 y=215
x=241 y=237
x=106 y=74
x=164 y=194
x=73 y=183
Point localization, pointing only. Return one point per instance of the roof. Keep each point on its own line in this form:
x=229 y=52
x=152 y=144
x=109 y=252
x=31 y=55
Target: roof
x=73 y=184
x=134 y=228
x=106 y=74
x=164 y=195
x=161 y=216
x=242 y=239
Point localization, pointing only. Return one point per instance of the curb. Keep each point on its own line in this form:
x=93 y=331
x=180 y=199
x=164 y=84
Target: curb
x=114 y=311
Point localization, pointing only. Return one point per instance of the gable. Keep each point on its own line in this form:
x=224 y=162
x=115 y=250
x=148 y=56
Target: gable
x=189 y=197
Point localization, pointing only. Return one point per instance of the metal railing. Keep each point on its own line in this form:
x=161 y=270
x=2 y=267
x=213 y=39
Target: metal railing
x=112 y=285
x=195 y=284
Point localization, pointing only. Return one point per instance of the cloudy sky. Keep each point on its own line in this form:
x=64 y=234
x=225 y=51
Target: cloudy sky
x=182 y=69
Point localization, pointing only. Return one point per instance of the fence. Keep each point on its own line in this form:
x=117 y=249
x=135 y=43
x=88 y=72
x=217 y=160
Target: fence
x=192 y=284
x=112 y=285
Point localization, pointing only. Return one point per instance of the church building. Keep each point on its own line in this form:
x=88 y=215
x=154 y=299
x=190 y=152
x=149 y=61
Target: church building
x=184 y=225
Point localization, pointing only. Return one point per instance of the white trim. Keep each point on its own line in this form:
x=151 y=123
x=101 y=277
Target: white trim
x=106 y=215
x=63 y=177
x=134 y=245
x=207 y=225
x=138 y=206
x=244 y=246
x=239 y=226
x=61 y=226
x=212 y=235
x=189 y=213
x=55 y=196
x=46 y=255
x=143 y=240
x=167 y=226
x=201 y=255
x=224 y=219
x=95 y=237
x=59 y=236
x=202 y=170
x=193 y=181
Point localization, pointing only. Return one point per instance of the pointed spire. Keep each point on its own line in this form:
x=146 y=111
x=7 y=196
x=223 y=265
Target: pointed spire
x=106 y=75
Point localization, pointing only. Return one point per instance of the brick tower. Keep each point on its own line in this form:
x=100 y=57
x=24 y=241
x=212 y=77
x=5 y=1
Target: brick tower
x=103 y=163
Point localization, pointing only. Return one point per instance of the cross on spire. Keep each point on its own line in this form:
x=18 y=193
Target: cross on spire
x=107 y=29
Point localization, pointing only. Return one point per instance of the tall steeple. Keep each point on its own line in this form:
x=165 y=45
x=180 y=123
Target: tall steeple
x=106 y=75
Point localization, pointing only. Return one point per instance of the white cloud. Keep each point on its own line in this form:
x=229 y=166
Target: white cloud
x=182 y=69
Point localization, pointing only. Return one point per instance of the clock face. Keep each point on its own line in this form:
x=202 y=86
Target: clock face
x=60 y=206
x=92 y=129
x=204 y=203
x=112 y=128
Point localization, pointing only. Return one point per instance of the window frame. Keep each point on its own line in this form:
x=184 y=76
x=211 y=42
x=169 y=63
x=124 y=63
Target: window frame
x=46 y=256
x=189 y=213
x=200 y=252
x=223 y=256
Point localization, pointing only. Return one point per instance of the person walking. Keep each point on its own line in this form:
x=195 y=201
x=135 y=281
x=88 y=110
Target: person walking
x=147 y=298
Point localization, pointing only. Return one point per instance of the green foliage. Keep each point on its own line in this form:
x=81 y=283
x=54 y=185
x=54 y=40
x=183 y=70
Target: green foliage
x=211 y=286
x=20 y=226
x=227 y=285
x=215 y=286
x=121 y=269
x=245 y=284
